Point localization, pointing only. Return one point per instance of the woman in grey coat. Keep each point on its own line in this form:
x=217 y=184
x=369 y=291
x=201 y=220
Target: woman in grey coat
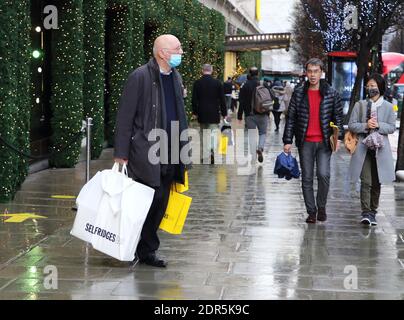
x=373 y=167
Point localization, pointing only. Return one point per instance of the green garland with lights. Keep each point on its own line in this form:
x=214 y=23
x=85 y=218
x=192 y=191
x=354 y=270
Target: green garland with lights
x=23 y=85
x=246 y=60
x=14 y=93
x=94 y=67
x=119 y=58
x=78 y=68
x=67 y=86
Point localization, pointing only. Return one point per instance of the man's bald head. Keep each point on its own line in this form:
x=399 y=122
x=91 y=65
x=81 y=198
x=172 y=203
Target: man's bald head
x=166 y=42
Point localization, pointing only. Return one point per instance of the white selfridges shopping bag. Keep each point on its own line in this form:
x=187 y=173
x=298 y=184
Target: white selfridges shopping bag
x=87 y=200
x=120 y=213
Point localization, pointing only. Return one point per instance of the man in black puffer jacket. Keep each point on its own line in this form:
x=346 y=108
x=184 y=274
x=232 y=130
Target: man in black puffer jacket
x=313 y=106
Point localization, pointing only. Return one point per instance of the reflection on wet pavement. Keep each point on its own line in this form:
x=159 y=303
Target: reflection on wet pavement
x=245 y=238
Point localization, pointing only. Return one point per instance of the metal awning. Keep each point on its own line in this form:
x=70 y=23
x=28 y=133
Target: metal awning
x=258 y=42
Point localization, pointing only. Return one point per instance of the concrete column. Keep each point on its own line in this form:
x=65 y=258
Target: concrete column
x=230 y=64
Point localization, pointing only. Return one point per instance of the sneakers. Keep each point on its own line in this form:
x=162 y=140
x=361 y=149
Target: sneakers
x=322 y=215
x=369 y=219
x=260 y=156
x=372 y=218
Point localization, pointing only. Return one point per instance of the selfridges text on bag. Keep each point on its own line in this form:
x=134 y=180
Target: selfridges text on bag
x=262 y=101
x=113 y=221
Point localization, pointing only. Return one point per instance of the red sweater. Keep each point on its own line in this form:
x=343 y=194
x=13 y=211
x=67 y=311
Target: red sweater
x=314 y=133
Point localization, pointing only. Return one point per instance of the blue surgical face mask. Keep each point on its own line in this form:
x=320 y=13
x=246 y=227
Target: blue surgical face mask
x=175 y=60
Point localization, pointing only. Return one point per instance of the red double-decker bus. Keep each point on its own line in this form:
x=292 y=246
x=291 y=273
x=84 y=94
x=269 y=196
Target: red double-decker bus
x=393 y=67
x=393 y=71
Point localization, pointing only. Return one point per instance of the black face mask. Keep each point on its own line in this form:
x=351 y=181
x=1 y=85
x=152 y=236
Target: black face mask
x=373 y=92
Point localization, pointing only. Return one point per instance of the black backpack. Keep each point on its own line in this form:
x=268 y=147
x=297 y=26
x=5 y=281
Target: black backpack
x=276 y=105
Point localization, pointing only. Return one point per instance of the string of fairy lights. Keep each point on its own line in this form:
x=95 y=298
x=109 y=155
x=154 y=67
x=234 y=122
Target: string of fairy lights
x=78 y=67
x=333 y=29
x=14 y=92
x=94 y=56
x=67 y=86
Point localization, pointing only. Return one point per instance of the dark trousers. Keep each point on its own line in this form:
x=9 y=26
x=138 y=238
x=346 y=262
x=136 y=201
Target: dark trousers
x=149 y=240
x=277 y=118
x=311 y=153
x=370 y=185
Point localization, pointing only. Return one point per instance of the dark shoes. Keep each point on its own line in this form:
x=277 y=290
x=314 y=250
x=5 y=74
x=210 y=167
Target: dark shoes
x=260 y=156
x=152 y=260
x=322 y=215
x=311 y=218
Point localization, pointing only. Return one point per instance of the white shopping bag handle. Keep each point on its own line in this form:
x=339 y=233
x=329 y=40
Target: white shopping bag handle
x=124 y=170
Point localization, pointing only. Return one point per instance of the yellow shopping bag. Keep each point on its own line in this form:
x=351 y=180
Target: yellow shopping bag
x=223 y=142
x=176 y=213
x=181 y=188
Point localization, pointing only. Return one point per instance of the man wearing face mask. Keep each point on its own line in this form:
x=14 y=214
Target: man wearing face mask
x=153 y=99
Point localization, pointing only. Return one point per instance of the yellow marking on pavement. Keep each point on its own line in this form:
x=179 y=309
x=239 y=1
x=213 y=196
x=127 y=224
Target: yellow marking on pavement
x=20 y=217
x=59 y=196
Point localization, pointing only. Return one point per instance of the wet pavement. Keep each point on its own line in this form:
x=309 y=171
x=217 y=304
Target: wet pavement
x=245 y=238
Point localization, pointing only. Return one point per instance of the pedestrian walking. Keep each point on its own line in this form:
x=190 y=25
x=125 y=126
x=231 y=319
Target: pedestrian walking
x=253 y=120
x=152 y=99
x=228 y=90
x=313 y=106
x=278 y=93
x=208 y=103
x=288 y=95
x=372 y=163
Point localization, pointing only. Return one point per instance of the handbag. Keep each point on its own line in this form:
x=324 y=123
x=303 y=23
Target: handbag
x=350 y=141
x=351 y=138
x=374 y=141
x=334 y=137
x=176 y=213
x=112 y=209
x=181 y=188
x=223 y=143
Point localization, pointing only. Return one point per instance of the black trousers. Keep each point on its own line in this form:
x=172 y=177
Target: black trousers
x=149 y=240
x=277 y=118
x=370 y=185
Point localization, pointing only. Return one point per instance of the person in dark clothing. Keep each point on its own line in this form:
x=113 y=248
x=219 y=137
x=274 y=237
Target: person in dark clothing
x=152 y=99
x=277 y=93
x=208 y=103
x=253 y=119
x=228 y=90
x=312 y=108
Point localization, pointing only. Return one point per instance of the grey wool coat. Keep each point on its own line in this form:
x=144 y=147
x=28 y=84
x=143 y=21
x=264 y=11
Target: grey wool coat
x=387 y=125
